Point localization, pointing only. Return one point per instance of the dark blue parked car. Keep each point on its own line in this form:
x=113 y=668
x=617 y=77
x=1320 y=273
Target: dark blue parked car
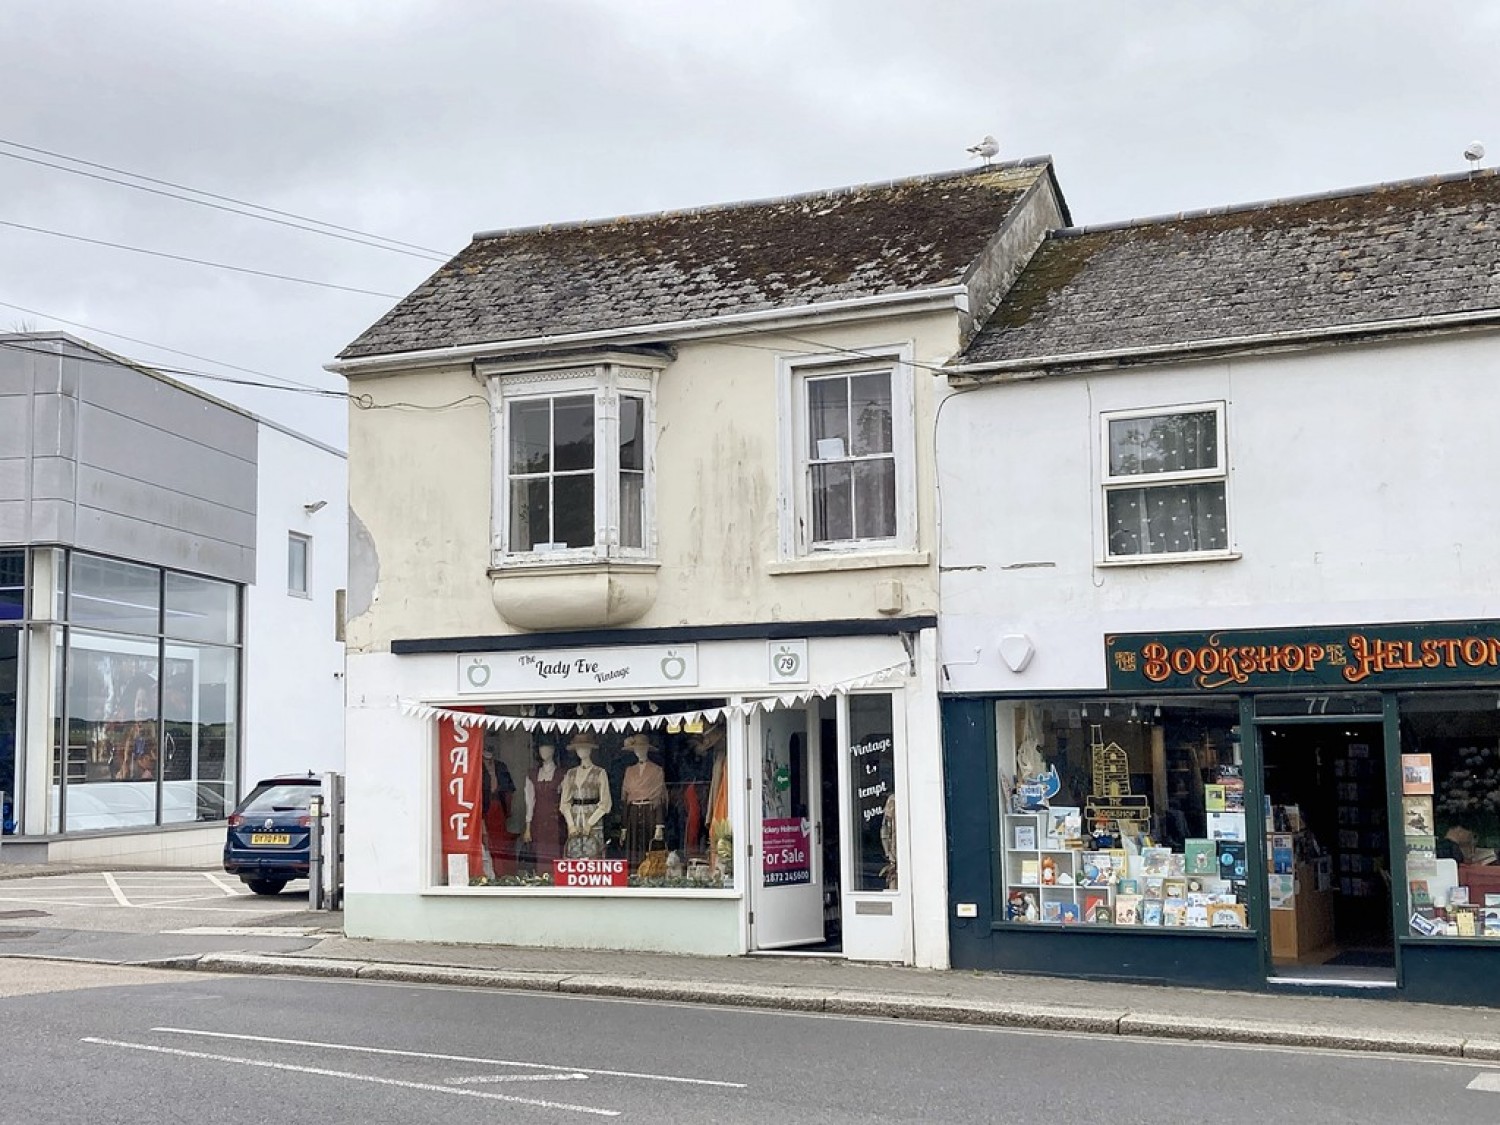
x=269 y=832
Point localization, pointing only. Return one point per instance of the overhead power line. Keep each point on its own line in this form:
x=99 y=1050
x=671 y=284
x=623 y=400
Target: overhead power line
x=268 y=215
x=198 y=261
x=160 y=348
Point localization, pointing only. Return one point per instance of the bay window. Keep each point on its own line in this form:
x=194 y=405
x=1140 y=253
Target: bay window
x=574 y=463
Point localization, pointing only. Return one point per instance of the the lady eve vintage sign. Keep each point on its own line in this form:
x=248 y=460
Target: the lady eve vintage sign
x=578 y=669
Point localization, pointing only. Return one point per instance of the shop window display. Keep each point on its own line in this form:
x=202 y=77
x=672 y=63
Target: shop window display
x=594 y=806
x=1123 y=813
x=1450 y=813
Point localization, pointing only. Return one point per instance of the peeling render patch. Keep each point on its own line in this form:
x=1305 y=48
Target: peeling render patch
x=364 y=568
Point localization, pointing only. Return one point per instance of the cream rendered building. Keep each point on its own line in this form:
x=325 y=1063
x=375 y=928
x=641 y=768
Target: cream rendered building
x=643 y=582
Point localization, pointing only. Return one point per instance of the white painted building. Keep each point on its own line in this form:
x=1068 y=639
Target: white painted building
x=169 y=571
x=643 y=582
x=1216 y=509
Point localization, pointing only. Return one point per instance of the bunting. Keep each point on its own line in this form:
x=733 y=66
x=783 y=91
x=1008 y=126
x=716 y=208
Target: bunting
x=646 y=720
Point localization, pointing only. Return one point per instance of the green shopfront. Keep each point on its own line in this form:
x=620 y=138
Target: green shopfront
x=1302 y=808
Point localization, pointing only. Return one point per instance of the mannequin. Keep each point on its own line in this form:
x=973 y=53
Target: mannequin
x=544 y=824
x=499 y=793
x=585 y=801
x=644 y=794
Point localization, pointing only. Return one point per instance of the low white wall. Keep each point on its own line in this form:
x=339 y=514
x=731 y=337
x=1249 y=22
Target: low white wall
x=187 y=847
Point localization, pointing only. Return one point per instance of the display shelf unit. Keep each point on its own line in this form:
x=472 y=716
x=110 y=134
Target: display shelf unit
x=1065 y=861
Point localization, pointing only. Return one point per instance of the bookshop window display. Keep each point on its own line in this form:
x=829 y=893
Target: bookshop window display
x=1450 y=813
x=583 y=805
x=1121 y=813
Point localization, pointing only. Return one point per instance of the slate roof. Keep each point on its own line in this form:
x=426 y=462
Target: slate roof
x=1391 y=252
x=855 y=242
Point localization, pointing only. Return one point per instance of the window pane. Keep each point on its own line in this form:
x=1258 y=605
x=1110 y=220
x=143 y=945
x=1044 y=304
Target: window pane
x=573 y=433
x=872 y=774
x=828 y=418
x=118 y=596
x=1147 y=825
x=593 y=808
x=632 y=509
x=832 y=510
x=530 y=521
x=531 y=436
x=10 y=668
x=872 y=413
x=632 y=433
x=112 y=757
x=297 y=550
x=12 y=585
x=1167 y=519
x=200 y=609
x=200 y=712
x=1450 y=812
x=573 y=517
x=875 y=499
x=1165 y=443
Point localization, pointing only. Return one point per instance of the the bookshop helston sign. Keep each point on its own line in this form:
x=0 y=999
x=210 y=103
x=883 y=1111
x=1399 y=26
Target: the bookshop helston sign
x=1325 y=656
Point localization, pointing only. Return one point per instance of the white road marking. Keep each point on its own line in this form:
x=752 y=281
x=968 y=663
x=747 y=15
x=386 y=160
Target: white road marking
x=246 y=931
x=351 y=1076
x=109 y=881
x=447 y=1058
x=1489 y=1080
x=475 y=1080
x=230 y=889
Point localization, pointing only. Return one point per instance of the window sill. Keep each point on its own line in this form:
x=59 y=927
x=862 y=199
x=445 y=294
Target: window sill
x=851 y=560
x=580 y=892
x=1170 y=560
x=564 y=563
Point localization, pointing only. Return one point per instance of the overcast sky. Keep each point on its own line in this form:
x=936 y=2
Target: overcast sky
x=427 y=121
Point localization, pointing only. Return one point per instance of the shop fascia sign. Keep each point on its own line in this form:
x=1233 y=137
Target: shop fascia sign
x=1324 y=656
x=578 y=669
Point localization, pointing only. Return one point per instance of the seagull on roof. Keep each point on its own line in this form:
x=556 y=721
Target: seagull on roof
x=985 y=149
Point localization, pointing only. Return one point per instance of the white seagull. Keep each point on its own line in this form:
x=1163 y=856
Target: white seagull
x=985 y=149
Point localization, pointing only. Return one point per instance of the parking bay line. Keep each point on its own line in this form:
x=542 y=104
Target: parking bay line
x=448 y=1058
x=380 y=1080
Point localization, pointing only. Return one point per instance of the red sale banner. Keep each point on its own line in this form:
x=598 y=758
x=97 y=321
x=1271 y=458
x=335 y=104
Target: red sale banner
x=460 y=780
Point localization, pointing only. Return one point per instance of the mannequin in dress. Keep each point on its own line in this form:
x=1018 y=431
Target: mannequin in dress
x=644 y=794
x=544 y=823
x=585 y=800
x=499 y=794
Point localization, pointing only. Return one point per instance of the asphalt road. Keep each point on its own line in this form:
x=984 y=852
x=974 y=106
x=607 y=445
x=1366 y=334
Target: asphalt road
x=107 y=1044
x=125 y=916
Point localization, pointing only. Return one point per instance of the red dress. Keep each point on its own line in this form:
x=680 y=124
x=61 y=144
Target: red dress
x=546 y=816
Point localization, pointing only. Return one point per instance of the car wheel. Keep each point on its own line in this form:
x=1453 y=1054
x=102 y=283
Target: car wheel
x=266 y=886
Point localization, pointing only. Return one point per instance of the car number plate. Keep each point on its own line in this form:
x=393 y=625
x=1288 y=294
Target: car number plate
x=270 y=838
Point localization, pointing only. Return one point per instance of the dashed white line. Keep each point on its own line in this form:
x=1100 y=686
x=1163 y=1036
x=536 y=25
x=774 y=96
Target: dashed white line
x=446 y=1058
x=1489 y=1080
x=476 y=1079
x=232 y=890
x=379 y=1080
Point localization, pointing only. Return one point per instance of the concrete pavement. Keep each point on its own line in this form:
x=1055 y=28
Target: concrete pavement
x=844 y=988
x=278 y=936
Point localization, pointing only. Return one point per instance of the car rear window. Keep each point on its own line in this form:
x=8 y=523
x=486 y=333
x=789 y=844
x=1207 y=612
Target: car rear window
x=279 y=799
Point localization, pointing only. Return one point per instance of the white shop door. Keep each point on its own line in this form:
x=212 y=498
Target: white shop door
x=785 y=801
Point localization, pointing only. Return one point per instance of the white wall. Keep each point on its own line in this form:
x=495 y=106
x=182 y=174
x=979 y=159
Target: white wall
x=294 y=687
x=1361 y=490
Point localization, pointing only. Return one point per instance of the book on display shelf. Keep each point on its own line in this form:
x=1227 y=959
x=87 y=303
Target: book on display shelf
x=1127 y=909
x=1151 y=912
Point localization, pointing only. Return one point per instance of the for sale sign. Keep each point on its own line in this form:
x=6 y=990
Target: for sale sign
x=786 y=844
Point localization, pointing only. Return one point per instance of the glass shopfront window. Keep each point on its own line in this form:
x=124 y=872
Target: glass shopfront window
x=872 y=774
x=149 y=702
x=1123 y=813
x=591 y=806
x=1450 y=813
